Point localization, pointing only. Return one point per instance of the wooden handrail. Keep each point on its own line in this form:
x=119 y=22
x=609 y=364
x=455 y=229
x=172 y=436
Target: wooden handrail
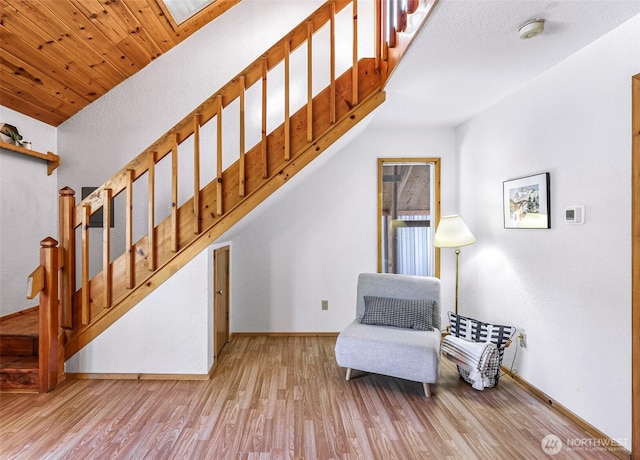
x=255 y=166
x=35 y=282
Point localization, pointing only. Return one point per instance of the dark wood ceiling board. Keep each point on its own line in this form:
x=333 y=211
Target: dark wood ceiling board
x=94 y=11
x=132 y=49
x=40 y=81
x=35 y=96
x=51 y=38
x=134 y=29
x=20 y=105
x=76 y=43
x=89 y=34
x=176 y=35
x=58 y=56
x=153 y=25
x=47 y=66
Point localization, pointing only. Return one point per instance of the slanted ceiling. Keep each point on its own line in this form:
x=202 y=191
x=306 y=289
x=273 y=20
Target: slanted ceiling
x=58 y=56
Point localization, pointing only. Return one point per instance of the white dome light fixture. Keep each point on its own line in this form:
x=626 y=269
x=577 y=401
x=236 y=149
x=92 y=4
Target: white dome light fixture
x=531 y=28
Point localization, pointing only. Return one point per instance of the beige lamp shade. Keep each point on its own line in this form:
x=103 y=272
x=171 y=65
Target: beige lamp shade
x=452 y=232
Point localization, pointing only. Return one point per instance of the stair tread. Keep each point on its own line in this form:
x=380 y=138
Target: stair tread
x=22 y=323
x=18 y=364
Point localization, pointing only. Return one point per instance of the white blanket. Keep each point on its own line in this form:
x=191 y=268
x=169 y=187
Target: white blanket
x=476 y=357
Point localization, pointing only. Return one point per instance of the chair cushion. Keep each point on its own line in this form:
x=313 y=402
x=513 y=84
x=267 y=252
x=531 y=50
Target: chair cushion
x=404 y=353
x=404 y=313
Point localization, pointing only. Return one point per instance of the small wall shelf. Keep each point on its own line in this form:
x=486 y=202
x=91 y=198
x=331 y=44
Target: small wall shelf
x=53 y=160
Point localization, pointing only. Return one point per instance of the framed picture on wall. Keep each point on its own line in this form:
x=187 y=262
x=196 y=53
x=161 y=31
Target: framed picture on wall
x=527 y=202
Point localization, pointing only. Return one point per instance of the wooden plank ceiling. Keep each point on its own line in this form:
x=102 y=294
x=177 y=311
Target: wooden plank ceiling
x=58 y=56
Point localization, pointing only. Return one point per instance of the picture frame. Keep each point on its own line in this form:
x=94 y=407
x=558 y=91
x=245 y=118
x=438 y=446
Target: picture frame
x=527 y=202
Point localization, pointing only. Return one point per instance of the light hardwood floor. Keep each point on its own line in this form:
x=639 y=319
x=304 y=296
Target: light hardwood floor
x=282 y=397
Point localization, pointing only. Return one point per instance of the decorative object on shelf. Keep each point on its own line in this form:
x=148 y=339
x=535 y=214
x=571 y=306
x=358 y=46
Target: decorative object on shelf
x=10 y=134
x=26 y=145
x=452 y=232
x=527 y=201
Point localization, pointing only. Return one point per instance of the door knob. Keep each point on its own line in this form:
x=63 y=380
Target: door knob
x=219 y=292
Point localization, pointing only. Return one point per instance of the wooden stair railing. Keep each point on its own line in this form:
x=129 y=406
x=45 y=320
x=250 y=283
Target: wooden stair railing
x=215 y=207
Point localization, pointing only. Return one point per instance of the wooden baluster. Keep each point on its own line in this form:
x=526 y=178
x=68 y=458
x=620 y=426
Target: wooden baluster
x=67 y=234
x=401 y=17
x=174 y=194
x=241 y=168
x=85 y=314
x=378 y=33
x=309 y=81
x=106 y=247
x=287 y=115
x=332 y=33
x=219 y=157
x=354 y=69
x=48 y=317
x=196 y=174
x=265 y=165
x=390 y=33
x=151 y=237
x=128 y=237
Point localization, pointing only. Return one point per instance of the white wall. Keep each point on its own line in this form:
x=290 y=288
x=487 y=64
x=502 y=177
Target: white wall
x=168 y=332
x=569 y=287
x=28 y=209
x=312 y=238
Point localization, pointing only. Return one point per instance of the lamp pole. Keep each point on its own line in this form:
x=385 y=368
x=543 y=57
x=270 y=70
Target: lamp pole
x=457 y=275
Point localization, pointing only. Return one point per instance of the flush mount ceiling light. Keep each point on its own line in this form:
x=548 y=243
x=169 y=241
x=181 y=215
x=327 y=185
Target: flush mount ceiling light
x=531 y=28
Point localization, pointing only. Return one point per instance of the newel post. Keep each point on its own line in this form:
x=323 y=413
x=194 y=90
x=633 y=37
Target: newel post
x=48 y=339
x=67 y=234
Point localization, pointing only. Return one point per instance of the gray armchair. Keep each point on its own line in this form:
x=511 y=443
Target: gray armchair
x=388 y=335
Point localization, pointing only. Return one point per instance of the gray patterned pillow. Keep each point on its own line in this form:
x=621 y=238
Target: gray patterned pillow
x=404 y=313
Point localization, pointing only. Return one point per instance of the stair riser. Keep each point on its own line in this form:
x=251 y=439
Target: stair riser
x=19 y=380
x=18 y=345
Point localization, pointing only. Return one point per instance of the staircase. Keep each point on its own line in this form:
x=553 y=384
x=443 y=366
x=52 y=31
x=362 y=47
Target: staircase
x=85 y=311
x=19 y=352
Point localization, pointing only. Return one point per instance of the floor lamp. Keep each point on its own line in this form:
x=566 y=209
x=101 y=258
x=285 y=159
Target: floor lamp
x=452 y=232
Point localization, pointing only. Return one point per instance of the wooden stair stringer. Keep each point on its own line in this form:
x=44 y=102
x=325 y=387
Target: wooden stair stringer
x=371 y=98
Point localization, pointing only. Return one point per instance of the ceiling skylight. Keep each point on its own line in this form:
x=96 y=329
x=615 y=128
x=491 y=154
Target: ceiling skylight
x=181 y=10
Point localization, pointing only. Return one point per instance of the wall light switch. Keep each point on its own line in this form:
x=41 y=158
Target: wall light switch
x=325 y=304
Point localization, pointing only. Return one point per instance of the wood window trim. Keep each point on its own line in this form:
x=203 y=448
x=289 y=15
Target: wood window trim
x=205 y=15
x=635 y=270
x=436 y=164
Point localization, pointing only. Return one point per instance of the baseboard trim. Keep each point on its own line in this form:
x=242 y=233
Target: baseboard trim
x=125 y=376
x=615 y=449
x=284 y=334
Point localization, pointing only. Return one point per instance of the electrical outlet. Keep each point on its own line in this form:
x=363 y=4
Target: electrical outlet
x=325 y=304
x=522 y=340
